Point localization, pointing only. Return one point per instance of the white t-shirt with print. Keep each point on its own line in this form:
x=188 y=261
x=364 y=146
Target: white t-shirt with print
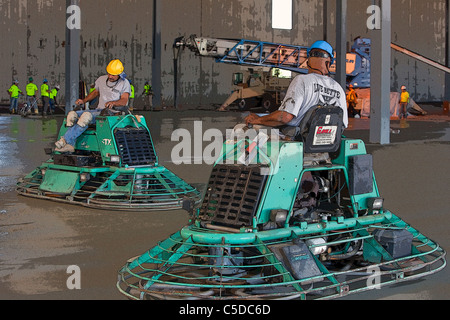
x=307 y=91
x=110 y=91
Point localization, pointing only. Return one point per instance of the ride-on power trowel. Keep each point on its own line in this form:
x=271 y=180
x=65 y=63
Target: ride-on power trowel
x=303 y=220
x=114 y=167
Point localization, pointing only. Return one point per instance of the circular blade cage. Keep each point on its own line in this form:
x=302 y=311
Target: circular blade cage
x=186 y=266
x=153 y=188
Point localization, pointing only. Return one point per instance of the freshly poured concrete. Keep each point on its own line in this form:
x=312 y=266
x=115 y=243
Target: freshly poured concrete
x=39 y=239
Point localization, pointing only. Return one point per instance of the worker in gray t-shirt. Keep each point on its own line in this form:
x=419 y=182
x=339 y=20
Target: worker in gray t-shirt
x=307 y=91
x=113 y=91
x=110 y=93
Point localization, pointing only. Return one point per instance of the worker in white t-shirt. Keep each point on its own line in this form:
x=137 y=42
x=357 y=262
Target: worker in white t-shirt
x=307 y=91
x=113 y=91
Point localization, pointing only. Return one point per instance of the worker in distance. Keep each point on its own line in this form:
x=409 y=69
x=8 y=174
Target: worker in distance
x=307 y=91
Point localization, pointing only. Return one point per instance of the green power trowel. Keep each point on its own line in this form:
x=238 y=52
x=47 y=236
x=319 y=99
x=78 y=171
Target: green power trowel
x=114 y=167
x=299 y=219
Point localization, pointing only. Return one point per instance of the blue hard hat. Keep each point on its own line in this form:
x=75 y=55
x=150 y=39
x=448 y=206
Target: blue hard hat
x=45 y=80
x=325 y=46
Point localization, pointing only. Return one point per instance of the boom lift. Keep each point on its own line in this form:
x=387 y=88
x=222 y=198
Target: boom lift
x=260 y=57
x=358 y=62
x=263 y=78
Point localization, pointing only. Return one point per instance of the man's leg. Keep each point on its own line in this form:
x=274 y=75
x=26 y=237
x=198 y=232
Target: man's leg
x=45 y=106
x=11 y=110
x=52 y=105
x=16 y=104
x=70 y=138
x=12 y=105
x=403 y=110
x=146 y=103
x=71 y=120
x=131 y=104
x=35 y=105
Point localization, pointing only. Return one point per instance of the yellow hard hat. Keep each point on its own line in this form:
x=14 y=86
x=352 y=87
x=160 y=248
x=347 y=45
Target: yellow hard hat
x=115 y=67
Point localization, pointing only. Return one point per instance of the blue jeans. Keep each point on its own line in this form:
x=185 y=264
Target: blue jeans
x=13 y=104
x=32 y=103
x=52 y=105
x=74 y=132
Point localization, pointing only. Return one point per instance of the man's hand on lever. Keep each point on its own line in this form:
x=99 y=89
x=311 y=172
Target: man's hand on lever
x=109 y=105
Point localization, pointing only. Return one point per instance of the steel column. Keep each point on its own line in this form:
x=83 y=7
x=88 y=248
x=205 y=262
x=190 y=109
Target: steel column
x=380 y=77
x=73 y=45
x=157 y=54
x=341 y=43
x=447 y=52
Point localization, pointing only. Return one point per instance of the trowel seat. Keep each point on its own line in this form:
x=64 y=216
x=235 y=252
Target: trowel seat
x=321 y=130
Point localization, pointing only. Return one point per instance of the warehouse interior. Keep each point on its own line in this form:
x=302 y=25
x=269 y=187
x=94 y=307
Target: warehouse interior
x=380 y=46
x=129 y=30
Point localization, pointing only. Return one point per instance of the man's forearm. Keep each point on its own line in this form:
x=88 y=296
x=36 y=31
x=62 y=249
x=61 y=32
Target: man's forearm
x=275 y=119
x=122 y=102
x=91 y=96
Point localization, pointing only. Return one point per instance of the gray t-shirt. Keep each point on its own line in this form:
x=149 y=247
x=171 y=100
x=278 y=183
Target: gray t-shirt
x=307 y=91
x=110 y=91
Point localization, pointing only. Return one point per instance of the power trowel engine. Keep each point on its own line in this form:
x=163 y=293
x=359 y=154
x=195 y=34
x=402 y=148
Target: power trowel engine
x=314 y=199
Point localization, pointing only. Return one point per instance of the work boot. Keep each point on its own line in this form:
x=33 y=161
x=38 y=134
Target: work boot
x=60 y=143
x=67 y=148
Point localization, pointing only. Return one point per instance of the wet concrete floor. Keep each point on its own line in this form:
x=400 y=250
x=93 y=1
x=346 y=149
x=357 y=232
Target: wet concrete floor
x=39 y=239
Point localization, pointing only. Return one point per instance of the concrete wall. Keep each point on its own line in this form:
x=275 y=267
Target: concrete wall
x=31 y=44
x=204 y=80
x=33 y=35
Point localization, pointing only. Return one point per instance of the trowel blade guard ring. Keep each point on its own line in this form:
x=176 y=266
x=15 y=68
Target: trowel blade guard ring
x=154 y=188
x=198 y=263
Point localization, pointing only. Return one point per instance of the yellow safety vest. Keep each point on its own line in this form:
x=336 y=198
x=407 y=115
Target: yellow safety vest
x=31 y=89
x=53 y=94
x=44 y=90
x=14 y=90
x=404 y=98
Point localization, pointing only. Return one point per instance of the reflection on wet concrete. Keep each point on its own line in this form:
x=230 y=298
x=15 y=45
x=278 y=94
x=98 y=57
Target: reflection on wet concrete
x=40 y=239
